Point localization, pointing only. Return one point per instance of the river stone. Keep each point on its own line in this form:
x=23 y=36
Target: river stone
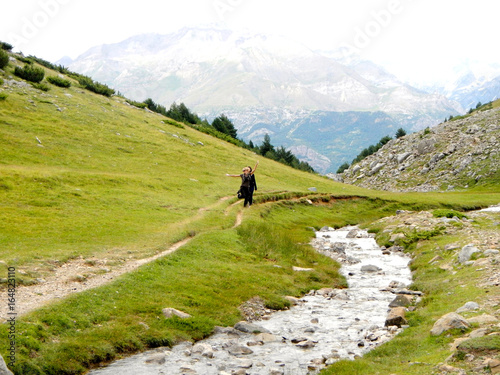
x=239 y=350
x=250 y=327
x=370 y=268
x=306 y=344
x=401 y=300
x=204 y=349
x=159 y=358
x=266 y=337
x=169 y=312
x=396 y=317
x=447 y=322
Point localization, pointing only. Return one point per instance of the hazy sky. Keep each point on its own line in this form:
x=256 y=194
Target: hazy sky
x=412 y=38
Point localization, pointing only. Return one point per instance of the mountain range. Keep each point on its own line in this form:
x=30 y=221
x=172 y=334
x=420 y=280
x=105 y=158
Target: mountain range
x=323 y=110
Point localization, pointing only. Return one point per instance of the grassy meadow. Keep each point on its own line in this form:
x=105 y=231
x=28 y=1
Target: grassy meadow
x=86 y=175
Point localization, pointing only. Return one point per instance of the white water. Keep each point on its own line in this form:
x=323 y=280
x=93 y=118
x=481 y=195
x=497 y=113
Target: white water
x=348 y=324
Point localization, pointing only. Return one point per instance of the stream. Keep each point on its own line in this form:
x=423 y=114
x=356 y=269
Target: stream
x=325 y=325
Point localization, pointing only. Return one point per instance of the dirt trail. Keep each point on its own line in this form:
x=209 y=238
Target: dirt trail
x=78 y=275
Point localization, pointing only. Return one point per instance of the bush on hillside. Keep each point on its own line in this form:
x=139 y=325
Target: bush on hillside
x=448 y=214
x=30 y=73
x=136 y=104
x=96 y=87
x=58 y=81
x=3 y=96
x=343 y=167
x=6 y=46
x=41 y=86
x=4 y=59
x=400 y=133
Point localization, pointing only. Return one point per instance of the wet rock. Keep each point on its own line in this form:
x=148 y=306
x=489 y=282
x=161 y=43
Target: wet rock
x=293 y=300
x=400 y=301
x=298 y=339
x=250 y=327
x=237 y=350
x=159 y=359
x=204 y=350
x=266 y=337
x=370 y=268
x=185 y=370
x=396 y=317
x=448 y=322
x=245 y=363
x=306 y=344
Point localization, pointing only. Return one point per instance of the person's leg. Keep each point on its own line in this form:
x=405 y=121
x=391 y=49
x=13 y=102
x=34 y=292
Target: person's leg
x=250 y=199
x=246 y=193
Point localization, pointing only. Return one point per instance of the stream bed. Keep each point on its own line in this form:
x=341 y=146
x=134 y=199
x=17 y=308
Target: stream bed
x=323 y=327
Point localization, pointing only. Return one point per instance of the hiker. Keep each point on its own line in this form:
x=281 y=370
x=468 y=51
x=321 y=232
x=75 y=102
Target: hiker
x=253 y=185
x=246 y=179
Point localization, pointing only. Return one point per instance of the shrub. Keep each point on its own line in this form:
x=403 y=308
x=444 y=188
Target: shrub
x=448 y=213
x=58 y=81
x=343 y=167
x=96 y=87
x=4 y=59
x=6 y=46
x=3 y=96
x=40 y=86
x=136 y=104
x=30 y=73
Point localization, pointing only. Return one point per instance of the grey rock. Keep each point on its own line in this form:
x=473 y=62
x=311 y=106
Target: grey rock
x=250 y=327
x=400 y=300
x=448 y=322
x=466 y=253
x=3 y=367
x=239 y=350
x=402 y=157
x=469 y=306
x=370 y=268
x=396 y=317
x=169 y=312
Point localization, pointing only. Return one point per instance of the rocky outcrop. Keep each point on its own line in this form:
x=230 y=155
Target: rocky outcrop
x=453 y=155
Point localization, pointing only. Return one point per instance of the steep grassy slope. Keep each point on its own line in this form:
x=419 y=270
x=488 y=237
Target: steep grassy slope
x=81 y=173
x=85 y=175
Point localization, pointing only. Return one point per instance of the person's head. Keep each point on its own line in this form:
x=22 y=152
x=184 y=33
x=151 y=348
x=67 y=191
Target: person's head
x=249 y=169
x=246 y=170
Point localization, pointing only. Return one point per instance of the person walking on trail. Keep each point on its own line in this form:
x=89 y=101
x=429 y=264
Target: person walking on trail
x=246 y=180
x=253 y=185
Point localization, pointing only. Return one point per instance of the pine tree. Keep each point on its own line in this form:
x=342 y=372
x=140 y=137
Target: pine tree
x=400 y=133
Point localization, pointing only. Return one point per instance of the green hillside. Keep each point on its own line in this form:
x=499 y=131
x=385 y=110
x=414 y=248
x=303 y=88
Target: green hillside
x=90 y=176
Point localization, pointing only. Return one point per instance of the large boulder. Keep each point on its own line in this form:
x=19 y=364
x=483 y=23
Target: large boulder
x=466 y=253
x=3 y=368
x=396 y=317
x=448 y=322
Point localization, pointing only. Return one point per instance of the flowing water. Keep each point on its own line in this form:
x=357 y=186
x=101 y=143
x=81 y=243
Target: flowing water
x=323 y=328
